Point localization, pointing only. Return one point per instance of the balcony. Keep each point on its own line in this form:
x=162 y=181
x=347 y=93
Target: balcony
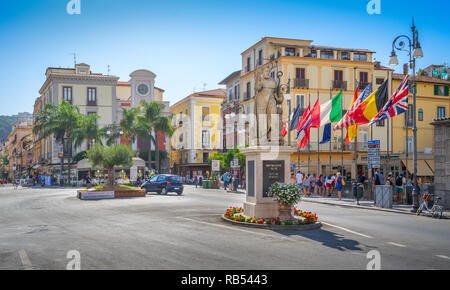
x=362 y=85
x=301 y=83
x=247 y=96
x=339 y=85
x=92 y=103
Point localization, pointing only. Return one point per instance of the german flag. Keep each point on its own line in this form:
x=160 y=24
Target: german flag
x=370 y=107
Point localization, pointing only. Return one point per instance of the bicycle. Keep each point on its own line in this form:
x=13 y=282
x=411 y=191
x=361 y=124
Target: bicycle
x=436 y=210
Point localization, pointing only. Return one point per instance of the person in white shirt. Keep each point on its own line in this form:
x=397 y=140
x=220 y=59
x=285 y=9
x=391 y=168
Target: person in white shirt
x=299 y=177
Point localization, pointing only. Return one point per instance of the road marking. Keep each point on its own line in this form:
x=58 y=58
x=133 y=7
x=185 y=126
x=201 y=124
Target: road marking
x=25 y=260
x=443 y=257
x=397 y=245
x=347 y=230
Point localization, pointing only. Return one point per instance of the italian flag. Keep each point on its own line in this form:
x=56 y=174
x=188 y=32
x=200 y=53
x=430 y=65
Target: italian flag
x=327 y=113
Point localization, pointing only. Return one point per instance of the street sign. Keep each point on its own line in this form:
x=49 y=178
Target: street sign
x=215 y=165
x=373 y=155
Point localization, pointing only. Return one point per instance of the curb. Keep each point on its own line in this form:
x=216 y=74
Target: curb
x=444 y=215
x=309 y=227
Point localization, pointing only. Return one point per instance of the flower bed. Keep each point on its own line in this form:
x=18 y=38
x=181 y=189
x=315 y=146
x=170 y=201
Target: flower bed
x=235 y=214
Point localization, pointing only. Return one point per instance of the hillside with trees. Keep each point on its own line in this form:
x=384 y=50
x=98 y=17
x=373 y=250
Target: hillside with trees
x=7 y=121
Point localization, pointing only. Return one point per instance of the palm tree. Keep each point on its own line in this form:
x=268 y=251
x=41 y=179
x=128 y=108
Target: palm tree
x=154 y=119
x=128 y=124
x=87 y=130
x=58 y=121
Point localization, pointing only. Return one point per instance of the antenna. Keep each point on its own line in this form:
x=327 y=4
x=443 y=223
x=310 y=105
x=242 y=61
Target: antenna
x=74 y=58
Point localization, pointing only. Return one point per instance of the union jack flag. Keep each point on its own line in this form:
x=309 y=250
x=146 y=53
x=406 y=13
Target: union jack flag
x=397 y=104
x=348 y=120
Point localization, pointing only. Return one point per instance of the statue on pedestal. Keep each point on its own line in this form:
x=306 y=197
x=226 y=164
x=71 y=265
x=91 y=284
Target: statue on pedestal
x=269 y=99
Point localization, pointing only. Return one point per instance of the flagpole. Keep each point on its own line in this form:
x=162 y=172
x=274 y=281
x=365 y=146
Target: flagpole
x=318 y=143
x=331 y=141
x=356 y=137
x=309 y=146
x=342 y=140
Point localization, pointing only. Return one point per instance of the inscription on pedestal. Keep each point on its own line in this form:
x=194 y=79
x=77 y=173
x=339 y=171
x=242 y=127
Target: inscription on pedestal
x=251 y=178
x=273 y=172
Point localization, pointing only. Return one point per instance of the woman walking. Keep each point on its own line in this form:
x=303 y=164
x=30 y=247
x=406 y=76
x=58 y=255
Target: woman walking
x=339 y=185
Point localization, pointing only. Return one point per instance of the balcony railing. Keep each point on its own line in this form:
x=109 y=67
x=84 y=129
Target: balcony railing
x=301 y=84
x=247 y=96
x=339 y=85
x=362 y=85
x=92 y=103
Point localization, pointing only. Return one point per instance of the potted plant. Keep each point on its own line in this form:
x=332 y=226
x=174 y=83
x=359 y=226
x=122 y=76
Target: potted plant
x=287 y=195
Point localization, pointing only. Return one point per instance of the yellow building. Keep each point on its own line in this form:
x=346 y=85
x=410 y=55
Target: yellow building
x=315 y=72
x=197 y=135
x=19 y=148
x=433 y=101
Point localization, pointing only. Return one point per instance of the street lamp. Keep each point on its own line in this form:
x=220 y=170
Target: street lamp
x=414 y=50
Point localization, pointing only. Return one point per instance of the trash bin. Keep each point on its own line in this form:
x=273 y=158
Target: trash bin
x=409 y=199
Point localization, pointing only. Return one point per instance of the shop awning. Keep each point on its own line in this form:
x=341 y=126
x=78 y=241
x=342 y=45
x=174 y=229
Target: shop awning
x=423 y=169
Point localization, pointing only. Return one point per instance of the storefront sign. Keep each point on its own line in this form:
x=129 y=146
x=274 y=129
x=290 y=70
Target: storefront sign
x=216 y=165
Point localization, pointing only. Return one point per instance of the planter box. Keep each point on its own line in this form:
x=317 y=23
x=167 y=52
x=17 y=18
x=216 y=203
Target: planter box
x=99 y=195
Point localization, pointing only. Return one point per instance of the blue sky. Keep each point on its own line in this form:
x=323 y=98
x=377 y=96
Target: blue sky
x=192 y=43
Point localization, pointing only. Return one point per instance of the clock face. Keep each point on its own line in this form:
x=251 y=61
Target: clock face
x=143 y=89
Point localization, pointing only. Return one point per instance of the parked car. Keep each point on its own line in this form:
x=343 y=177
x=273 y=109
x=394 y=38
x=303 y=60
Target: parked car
x=163 y=184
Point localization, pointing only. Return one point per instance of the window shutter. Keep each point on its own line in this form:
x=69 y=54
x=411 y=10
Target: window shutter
x=436 y=90
x=446 y=91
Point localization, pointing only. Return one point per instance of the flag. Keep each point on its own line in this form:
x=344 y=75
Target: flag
x=352 y=131
x=304 y=140
x=304 y=122
x=295 y=119
x=284 y=132
x=328 y=112
x=347 y=121
x=326 y=134
x=315 y=115
x=397 y=104
x=370 y=107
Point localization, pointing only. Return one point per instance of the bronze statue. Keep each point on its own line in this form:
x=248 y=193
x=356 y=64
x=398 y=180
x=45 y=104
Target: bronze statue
x=269 y=100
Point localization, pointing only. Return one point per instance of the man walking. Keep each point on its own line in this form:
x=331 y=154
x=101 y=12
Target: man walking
x=299 y=178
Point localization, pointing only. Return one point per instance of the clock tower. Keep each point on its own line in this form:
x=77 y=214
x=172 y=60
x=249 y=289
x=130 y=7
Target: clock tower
x=142 y=87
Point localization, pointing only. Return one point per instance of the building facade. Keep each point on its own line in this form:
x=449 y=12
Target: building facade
x=197 y=135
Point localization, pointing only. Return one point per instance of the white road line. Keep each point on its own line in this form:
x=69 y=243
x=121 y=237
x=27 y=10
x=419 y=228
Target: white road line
x=443 y=257
x=347 y=230
x=25 y=260
x=397 y=245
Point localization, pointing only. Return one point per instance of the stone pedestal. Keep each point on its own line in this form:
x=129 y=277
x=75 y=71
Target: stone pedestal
x=265 y=166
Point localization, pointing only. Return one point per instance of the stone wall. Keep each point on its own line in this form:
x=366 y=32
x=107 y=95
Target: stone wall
x=442 y=159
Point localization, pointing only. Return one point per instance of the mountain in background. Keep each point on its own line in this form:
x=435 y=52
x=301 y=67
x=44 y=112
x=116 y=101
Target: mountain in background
x=7 y=121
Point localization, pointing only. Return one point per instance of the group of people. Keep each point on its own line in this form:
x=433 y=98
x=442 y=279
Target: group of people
x=322 y=185
x=398 y=182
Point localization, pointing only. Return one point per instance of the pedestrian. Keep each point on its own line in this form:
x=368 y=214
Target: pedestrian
x=307 y=184
x=299 y=178
x=225 y=181
x=329 y=184
x=320 y=185
x=399 y=187
x=339 y=185
x=196 y=181
x=88 y=180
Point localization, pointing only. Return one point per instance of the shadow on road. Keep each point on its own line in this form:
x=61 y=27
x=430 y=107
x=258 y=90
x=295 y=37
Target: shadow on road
x=326 y=238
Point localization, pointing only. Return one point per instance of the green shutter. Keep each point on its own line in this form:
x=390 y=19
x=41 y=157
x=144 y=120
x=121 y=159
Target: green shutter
x=446 y=92
x=436 y=90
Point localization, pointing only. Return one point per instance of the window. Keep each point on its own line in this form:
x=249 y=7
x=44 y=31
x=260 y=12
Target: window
x=205 y=158
x=248 y=64
x=300 y=73
x=420 y=115
x=328 y=54
x=363 y=80
x=205 y=114
x=248 y=90
x=338 y=75
x=380 y=123
x=92 y=96
x=260 y=57
x=441 y=112
x=379 y=81
x=345 y=55
x=67 y=94
x=441 y=90
x=300 y=101
x=237 y=91
x=360 y=57
x=205 y=138
x=290 y=51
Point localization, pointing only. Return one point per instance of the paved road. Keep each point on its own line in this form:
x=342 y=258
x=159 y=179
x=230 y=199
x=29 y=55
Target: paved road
x=40 y=226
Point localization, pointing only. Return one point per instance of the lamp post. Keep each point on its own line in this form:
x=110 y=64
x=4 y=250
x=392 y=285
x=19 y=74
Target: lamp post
x=414 y=50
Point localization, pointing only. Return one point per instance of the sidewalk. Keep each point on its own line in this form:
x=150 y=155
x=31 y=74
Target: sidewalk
x=365 y=204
